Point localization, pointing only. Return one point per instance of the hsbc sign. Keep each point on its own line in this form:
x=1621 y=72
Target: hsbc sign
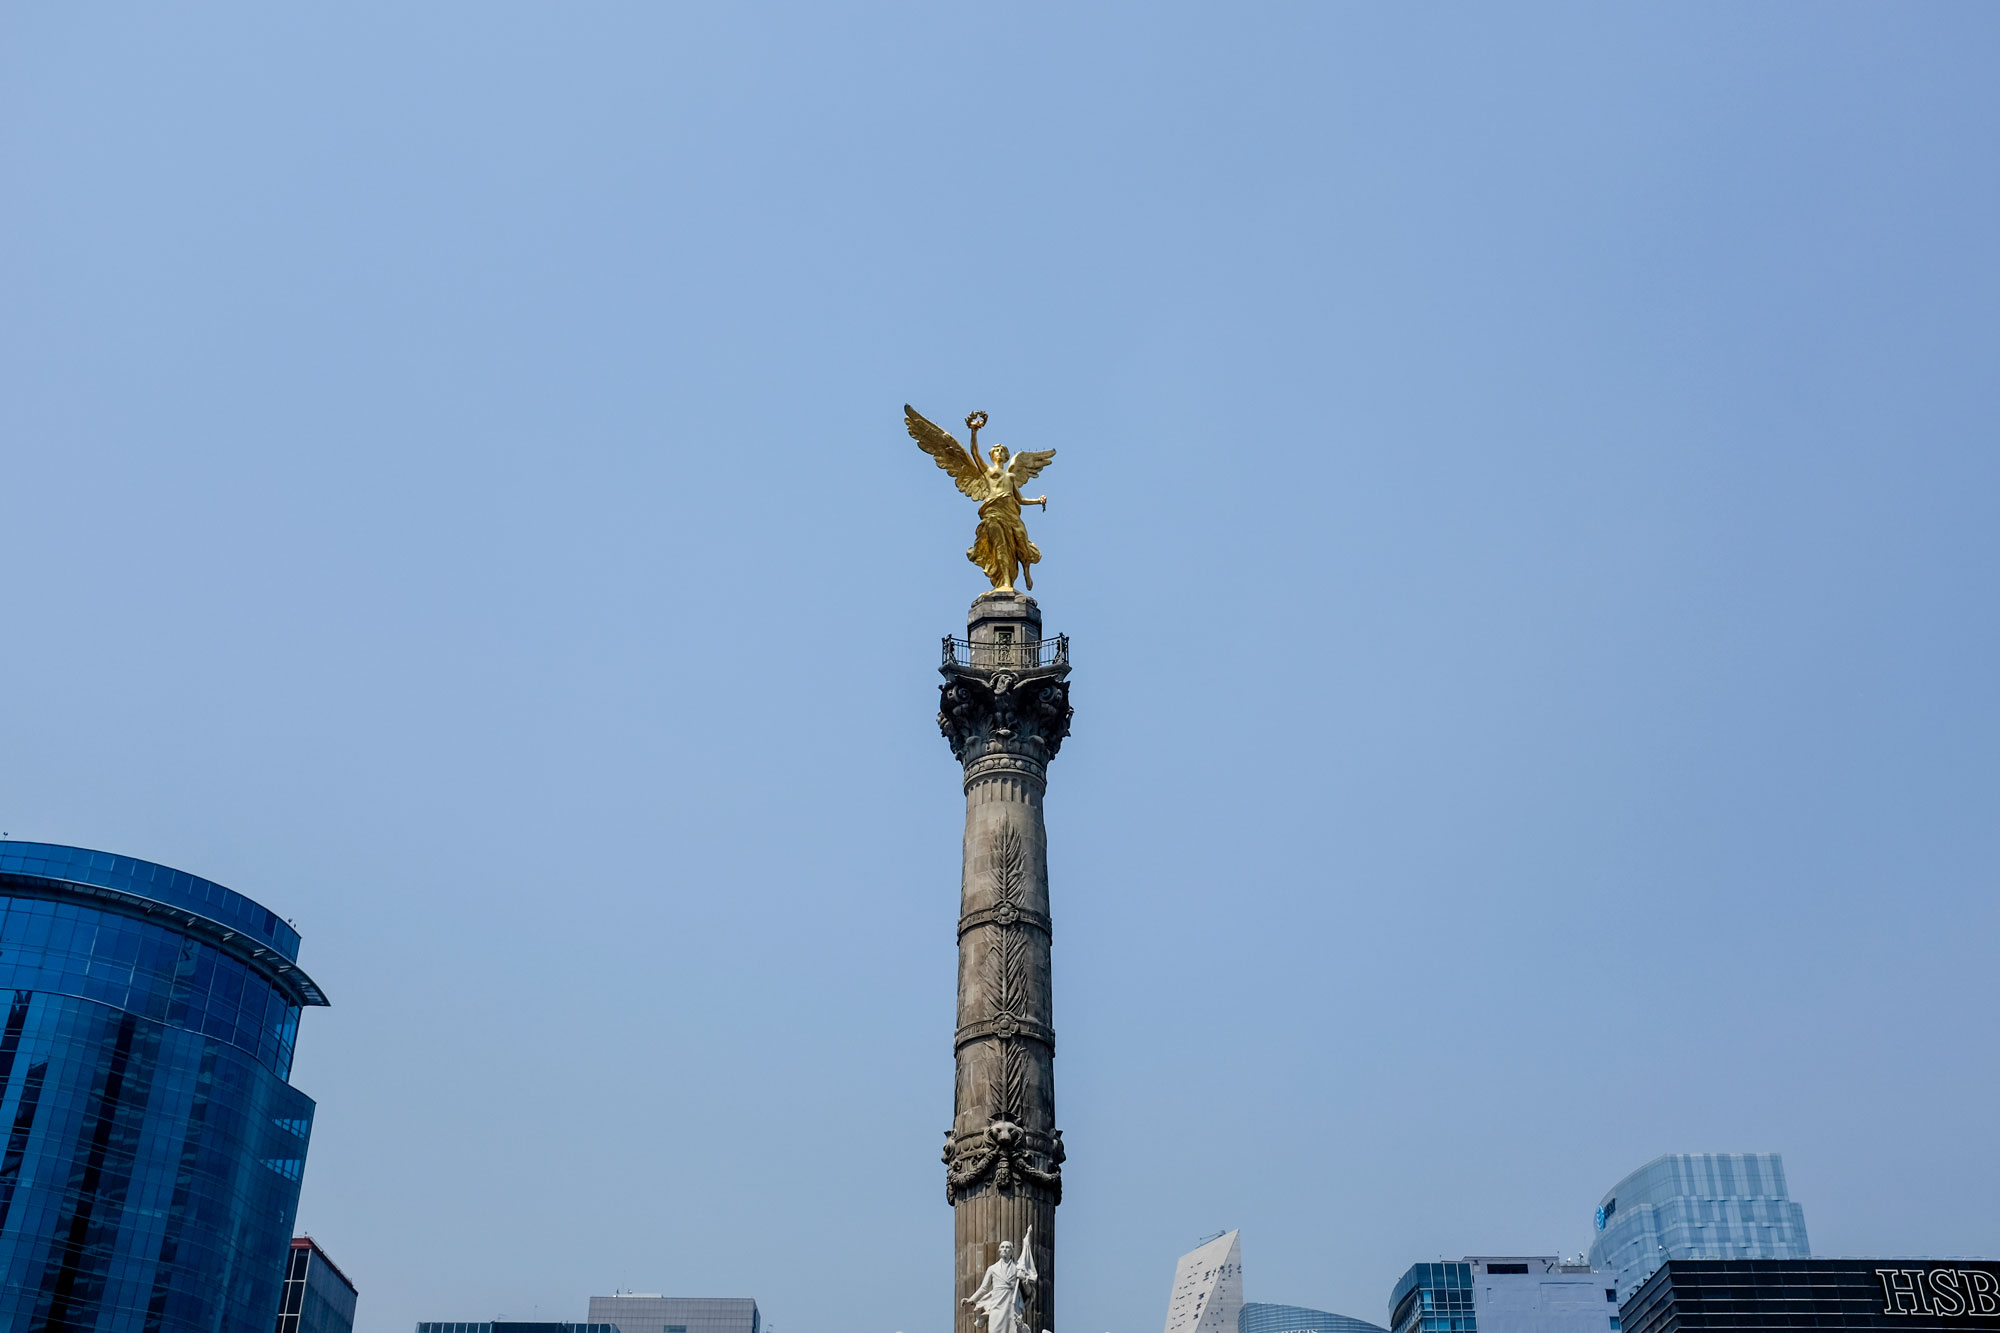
x=1949 y=1293
x=1827 y=1295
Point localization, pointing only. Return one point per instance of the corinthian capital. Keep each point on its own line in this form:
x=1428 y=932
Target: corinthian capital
x=981 y=712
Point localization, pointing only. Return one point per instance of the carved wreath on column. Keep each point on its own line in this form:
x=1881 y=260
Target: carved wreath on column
x=1002 y=1153
x=1007 y=970
x=1004 y=707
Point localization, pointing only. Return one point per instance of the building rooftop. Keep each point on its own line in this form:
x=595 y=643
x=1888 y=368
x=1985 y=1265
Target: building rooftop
x=308 y=1243
x=145 y=879
x=219 y=916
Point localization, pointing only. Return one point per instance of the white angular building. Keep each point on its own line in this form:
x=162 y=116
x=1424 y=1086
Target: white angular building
x=1208 y=1288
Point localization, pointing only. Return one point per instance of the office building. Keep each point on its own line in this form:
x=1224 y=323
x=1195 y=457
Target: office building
x=1433 y=1298
x=1208 y=1287
x=1697 y=1206
x=1258 y=1317
x=676 y=1314
x=1512 y=1294
x=510 y=1326
x=1207 y=1297
x=154 y=1145
x=317 y=1298
x=1752 y=1295
x=629 y=1312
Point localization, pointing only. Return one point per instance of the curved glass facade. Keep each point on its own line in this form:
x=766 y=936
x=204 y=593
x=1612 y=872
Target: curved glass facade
x=152 y=1150
x=1697 y=1206
x=1259 y=1317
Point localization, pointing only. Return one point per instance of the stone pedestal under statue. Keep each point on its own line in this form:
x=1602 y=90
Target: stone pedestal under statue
x=1004 y=707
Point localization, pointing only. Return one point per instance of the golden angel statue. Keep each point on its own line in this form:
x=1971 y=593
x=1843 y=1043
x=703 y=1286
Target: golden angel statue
x=1001 y=541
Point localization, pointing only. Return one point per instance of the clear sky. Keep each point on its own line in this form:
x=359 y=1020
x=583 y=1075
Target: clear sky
x=1524 y=513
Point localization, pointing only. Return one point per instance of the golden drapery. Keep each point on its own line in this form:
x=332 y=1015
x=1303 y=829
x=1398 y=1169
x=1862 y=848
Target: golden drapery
x=1001 y=540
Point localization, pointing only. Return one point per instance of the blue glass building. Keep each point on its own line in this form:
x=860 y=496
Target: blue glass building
x=1433 y=1298
x=1711 y=1205
x=318 y=1297
x=153 y=1145
x=1263 y=1317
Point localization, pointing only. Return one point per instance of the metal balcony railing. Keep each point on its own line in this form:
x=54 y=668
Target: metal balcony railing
x=1027 y=655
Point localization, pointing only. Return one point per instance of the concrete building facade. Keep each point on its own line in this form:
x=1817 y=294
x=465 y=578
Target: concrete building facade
x=676 y=1314
x=1208 y=1287
x=1504 y=1294
x=510 y=1326
x=628 y=1312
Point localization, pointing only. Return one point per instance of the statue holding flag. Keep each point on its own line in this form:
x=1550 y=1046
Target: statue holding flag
x=1002 y=1295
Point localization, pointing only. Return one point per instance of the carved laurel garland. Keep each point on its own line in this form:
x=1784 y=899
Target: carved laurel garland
x=1002 y=1153
x=1007 y=971
x=1017 y=722
x=1010 y=868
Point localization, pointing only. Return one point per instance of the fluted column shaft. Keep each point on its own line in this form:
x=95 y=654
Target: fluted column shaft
x=1005 y=715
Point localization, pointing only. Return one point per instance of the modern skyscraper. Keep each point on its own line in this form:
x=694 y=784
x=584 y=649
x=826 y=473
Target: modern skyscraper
x=153 y=1144
x=1697 y=1206
x=628 y=1313
x=511 y=1325
x=1208 y=1287
x=1258 y=1317
x=1517 y=1294
x=1433 y=1298
x=1004 y=708
x=1207 y=1297
x=318 y=1297
x=677 y=1314
x=1785 y=1295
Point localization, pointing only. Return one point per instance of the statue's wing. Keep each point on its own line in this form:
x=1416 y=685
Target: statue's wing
x=936 y=441
x=1024 y=465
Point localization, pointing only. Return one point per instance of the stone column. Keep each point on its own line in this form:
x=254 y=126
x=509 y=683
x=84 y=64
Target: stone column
x=1004 y=706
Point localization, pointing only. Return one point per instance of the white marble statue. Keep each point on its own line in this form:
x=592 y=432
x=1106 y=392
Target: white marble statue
x=1002 y=1295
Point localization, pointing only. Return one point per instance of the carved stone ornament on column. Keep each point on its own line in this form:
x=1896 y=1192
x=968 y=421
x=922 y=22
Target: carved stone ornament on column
x=1005 y=1153
x=1031 y=713
x=1004 y=708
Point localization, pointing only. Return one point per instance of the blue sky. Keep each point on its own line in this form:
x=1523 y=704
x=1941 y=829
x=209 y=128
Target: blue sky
x=1524 y=512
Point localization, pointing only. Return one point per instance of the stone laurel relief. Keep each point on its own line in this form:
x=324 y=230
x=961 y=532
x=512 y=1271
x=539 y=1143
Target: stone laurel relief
x=1004 y=711
x=1005 y=1151
x=1007 y=973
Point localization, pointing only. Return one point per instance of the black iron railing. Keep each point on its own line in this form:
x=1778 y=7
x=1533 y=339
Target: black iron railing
x=1027 y=655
